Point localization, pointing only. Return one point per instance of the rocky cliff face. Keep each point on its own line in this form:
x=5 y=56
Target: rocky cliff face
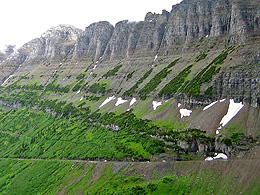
x=242 y=84
x=187 y=21
x=226 y=22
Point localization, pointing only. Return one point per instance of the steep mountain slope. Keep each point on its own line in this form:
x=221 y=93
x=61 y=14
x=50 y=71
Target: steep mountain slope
x=180 y=85
x=200 y=52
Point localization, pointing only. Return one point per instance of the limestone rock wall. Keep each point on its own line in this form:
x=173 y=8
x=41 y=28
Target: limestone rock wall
x=241 y=84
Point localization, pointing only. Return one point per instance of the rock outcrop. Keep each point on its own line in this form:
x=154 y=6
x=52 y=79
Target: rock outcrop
x=241 y=84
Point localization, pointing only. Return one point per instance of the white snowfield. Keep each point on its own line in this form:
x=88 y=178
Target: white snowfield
x=218 y=156
x=210 y=105
x=222 y=100
x=185 y=112
x=6 y=79
x=221 y=156
x=233 y=110
x=156 y=104
x=132 y=101
x=155 y=57
x=209 y=159
x=107 y=100
x=120 y=101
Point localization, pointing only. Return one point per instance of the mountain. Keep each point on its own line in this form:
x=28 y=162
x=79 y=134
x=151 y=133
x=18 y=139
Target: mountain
x=180 y=85
x=192 y=27
x=200 y=52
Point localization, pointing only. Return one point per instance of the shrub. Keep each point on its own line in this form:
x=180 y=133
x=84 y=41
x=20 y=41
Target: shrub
x=156 y=80
x=227 y=141
x=135 y=87
x=112 y=72
x=201 y=56
x=98 y=88
x=176 y=83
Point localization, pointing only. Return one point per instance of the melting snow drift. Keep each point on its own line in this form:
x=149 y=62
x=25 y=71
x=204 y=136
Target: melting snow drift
x=156 y=104
x=218 y=156
x=185 y=112
x=107 y=100
x=209 y=159
x=210 y=105
x=120 y=101
x=222 y=100
x=233 y=109
x=132 y=101
x=221 y=156
x=155 y=57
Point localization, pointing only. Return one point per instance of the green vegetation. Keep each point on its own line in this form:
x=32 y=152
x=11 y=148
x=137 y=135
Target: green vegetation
x=78 y=85
x=193 y=88
x=173 y=86
x=81 y=76
x=66 y=131
x=34 y=134
x=135 y=87
x=28 y=177
x=130 y=75
x=57 y=88
x=112 y=72
x=92 y=97
x=202 y=56
x=208 y=91
x=50 y=139
x=156 y=80
x=98 y=88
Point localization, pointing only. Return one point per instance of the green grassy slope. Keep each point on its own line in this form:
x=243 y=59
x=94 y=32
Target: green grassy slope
x=71 y=177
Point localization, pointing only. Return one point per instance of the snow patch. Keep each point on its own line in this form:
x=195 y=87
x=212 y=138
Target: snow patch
x=221 y=156
x=107 y=100
x=217 y=156
x=156 y=104
x=81 y=99
x=210 y=105
x=179 y=105
x=222 y=100
x=94 y=67
x=233 y=110
x=120 y=101
x=185 y=112
x=155 y=57
x=217 y=132
x=132 y=101
x=209 y=159
x=78 y=92
x=6 y=79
